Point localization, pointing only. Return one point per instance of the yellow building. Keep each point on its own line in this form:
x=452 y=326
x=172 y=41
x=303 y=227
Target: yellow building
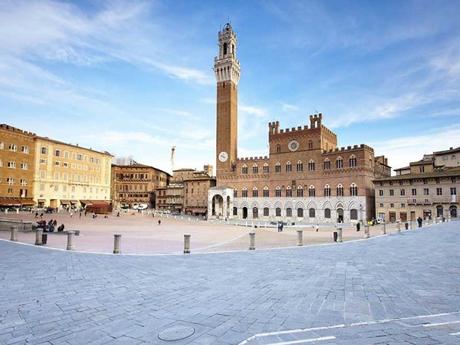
x=68 y=175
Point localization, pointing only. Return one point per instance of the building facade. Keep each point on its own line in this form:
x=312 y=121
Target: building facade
x=196 y=191
x=305 y=176
x=17 y=152
x=68 y=175
x=426 y=188
x=136 y=183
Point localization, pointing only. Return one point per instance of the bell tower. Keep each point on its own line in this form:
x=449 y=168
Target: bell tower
x=227 y=71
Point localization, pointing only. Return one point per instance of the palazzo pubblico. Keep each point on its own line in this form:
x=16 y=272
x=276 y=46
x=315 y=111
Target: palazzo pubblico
x=306 y=177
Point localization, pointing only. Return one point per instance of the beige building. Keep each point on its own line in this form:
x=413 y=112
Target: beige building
x=175 y=197
x=69 y=175
x=136 y=183
x=426 y=188
x=17 y=151
x=196 y=191
x=305 y=177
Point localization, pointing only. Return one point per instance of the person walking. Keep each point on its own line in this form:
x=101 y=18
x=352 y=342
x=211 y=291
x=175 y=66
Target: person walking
x=358 y=226
x=159 y=221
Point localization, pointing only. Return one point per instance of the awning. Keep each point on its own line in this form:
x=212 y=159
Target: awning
x=16 y=201
x=95 y=202
x=65 y=202
x=73 y=202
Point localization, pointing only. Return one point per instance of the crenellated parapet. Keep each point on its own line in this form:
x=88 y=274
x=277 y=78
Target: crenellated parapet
x=349 y=149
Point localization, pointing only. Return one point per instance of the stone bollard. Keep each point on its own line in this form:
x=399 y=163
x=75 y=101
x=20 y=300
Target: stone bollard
x=300 y=238
x=367 y=234
x=339 y=235
x=384 y=229
x=14 y=234
x=38 y=237
x=70 y=245
x=252 y=241
x=116 y=243
x=187 y=243
x=399 y=227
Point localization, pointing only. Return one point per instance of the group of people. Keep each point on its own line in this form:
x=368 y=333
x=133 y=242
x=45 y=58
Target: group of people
x=50 y=226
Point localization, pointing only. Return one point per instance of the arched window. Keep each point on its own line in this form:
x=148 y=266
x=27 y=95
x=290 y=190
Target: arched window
x=244 y=192
x=244 y=169
x=266 y=192
x=327 y=213
x=288 y=167
x=352 y=162
x=225 y=48
x=278 y=212
x=235 y=211
x=255 y=169
x=288 y=191
x=278 y=167
x=339 y=163
x=278 y=191
x=299 y=191
x=255 y=192
x=235 y=193
x=289 y=212
x=327 y=164
x=327 y=190
x=266 y=168
x=311 y=191
x=310 y=144
x=353 y=189
x=266 y=212
x=255 y=212
x=299 y=166
x=278 y=148
x=354 y=214
x=311 y=213
x=311 y=165
x=300 y=212
x=339 y=190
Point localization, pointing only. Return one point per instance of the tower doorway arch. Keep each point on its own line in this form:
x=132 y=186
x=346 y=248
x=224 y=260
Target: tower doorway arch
x=217 y=205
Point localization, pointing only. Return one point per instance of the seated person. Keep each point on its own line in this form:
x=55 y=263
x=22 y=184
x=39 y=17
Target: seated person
x=61 y=228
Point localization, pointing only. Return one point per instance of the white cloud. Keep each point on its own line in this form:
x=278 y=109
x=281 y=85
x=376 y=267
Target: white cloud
x=401 y=151
x=289 y=107
x=252 y=110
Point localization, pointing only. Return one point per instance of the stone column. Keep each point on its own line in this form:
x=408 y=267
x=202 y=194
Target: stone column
x=14 y=234
x=384 y=229
x=187 y=243
x=300 y=238
x=252 y=241
x=339 y=234
x=367 y=233
x=70 y=235
x=116 y=243
x=399 y=226
x=38 y=237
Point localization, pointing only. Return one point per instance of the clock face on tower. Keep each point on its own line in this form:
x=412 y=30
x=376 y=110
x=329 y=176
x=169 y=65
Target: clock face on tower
x=293 y=145
x=223 y=156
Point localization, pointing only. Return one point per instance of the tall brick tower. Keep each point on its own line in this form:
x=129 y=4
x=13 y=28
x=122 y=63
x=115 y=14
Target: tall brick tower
x=227 y=71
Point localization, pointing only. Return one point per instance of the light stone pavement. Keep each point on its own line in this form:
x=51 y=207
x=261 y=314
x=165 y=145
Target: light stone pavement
x=394 y=289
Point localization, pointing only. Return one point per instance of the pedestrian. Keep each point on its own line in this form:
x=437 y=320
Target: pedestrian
x=159 y=221
x=358 y=226
x=316 y=227
x=79 y=215
x=36 y=215
x=71 y=214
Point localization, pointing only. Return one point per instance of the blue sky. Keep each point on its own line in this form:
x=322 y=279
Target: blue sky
x=135 y=77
